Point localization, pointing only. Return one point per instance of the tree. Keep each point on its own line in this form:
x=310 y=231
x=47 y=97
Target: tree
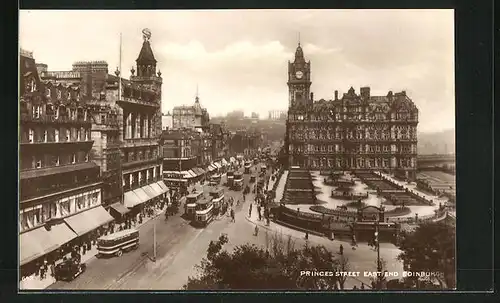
x=430 y=248
x=278 y=265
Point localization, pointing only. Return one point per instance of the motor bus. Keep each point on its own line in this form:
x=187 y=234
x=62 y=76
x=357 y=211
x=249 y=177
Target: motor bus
x=263 y=168
x=118 y=242
x=215 y=180
x=217 y=195
x=238 y=181
x=191 y=201
x=204 y=212
x=248 y=166
x=230 y=178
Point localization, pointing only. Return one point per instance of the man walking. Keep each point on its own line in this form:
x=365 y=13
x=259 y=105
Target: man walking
x=250 y=211
x=232 y=215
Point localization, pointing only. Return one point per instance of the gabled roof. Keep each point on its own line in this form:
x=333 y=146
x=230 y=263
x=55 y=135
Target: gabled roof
x=146 y=55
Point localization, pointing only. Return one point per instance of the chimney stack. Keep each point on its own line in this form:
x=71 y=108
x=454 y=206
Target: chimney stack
x=365 y=92
x=336 y=95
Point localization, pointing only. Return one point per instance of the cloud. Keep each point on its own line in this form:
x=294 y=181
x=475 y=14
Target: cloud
x=238 y=58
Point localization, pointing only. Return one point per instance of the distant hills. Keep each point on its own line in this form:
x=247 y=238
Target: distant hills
x=436 y=142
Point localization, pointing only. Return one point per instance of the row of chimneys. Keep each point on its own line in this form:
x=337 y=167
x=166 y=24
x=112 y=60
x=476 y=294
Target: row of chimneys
x=365 y=93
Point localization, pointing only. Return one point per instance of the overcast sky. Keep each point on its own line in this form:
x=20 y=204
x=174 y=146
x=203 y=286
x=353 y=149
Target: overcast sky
x=238 y=58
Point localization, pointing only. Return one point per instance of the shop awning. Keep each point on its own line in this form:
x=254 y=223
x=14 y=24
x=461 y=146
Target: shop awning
x=150 y=192
x=120 y=208
x=210 y=168
x=185 y=174
x=157 y=188
x=141 y=194
x=224 y=162
x=232 y=160
x=34 y=244
x=88 y=220
x=191 y=174
x=202 y=171
x=217 y=164
x=131 y=199
x=163 y=186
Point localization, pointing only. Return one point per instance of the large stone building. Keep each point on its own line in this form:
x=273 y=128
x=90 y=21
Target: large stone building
x=354 y=132
x=60 y=185
x=190 y=116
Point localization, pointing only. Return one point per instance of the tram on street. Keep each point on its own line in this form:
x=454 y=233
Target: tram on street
x=205 y=212
x=230 y=178
x=217 y=195
x=215 y=180
x=117 y=243
x=238 y=181
x=248 y=166
x=191 y=201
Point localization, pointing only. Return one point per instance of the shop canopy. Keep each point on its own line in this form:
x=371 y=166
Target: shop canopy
x=131 y=199
x=38 y=242
x=186 y=175
x=163 y=186
x=88 y=220
x=142 y=195
x=150 y=191
x=120 y=208
x=192 y=174
x=201 y=170
x=211 y=168
x=232 y=160
x=224 y=162
x=217 y=164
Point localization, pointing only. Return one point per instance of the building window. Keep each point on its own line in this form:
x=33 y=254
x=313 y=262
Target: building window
x=31 y=134
x=59 y=94
x=73 y=158
x=48 y=92
x=68 y=135
x=86 y=157
x=38 y=163
x=78 y=136
x=45 y=136
x=56 y=135
x=57 y=161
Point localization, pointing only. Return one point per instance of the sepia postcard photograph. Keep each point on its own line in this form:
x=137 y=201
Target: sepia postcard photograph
x=237 y=150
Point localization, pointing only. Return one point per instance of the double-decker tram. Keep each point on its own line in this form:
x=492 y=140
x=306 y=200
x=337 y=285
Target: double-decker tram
x=215 y=180
x=205 y=212
x=230 y=178
x=217 y=195
x=238 y=181
x=191 y=201
x=248 y=165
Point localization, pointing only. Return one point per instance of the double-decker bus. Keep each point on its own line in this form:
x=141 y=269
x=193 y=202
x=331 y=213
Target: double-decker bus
x=248 y=165
x=215 y=180
x=238 y=181
x=205 y=212
x=191 y=201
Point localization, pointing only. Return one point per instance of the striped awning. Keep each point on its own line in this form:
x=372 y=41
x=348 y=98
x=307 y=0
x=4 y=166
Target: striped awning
x=211 y=168
x=131 y=199
x=191 y=174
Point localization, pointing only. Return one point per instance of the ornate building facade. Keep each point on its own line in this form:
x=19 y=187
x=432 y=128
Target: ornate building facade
x=354 y=132
x=190 y=116
x=60 y=186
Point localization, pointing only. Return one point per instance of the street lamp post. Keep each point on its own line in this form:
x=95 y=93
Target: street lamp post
x=379 y=264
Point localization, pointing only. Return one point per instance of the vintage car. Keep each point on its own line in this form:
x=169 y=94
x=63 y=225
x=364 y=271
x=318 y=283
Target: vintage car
x=69 y=269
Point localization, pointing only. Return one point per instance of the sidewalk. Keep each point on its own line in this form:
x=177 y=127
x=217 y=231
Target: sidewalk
x=34 y=282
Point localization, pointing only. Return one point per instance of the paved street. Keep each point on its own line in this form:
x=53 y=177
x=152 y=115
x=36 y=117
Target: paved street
x=180 y=247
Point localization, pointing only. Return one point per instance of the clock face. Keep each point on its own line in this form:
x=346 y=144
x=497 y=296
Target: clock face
x=299 y=74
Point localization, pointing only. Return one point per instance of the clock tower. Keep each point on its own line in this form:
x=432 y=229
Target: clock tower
x=299 y=80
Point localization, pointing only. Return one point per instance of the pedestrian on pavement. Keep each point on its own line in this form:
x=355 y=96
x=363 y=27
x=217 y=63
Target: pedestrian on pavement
x=362 y=286
x=355 y=287
x=341 y=249
x=232 y=215
x=250 y=211
x=306 y=236
x=256 y=230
